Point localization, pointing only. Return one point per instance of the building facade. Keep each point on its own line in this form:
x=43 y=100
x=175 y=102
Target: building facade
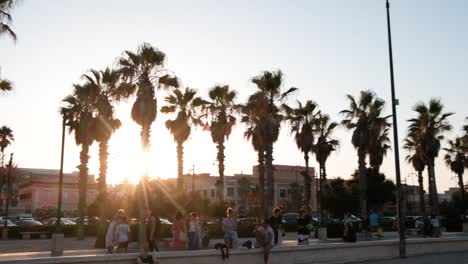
x=206 y=185
x=40 y=189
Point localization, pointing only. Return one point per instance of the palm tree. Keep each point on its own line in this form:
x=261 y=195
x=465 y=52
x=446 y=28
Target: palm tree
x=416 y=159
x=221 y=108
x=325 y=145
x=244 y=191
x=302 y=121
x=78 y=114
x=144 y=73
x=378 y=147
x=254 y=132
x=5 y=17
x=265 y=101
x=5 y=85
x=456 y=160
x=185 y=104
x=363 y=117
x=430 y=125
x=6 y=138
x=108 y=90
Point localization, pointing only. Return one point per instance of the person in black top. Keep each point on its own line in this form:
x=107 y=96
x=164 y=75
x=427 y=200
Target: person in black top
x=303 y=232
x=275 y=222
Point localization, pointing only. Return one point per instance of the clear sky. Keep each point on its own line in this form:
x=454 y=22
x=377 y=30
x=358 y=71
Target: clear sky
x=326 y=48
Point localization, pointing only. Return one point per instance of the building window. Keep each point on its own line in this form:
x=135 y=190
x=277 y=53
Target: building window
x=230 y=191
x=282 y=193
x=65 y=195
x=205 y=193
x=213 y=193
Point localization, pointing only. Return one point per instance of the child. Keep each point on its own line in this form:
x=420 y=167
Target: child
x=122 y=234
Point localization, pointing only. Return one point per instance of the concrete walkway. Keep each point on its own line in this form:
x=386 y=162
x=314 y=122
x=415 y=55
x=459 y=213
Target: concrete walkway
x=458 y=257
x=36 y=248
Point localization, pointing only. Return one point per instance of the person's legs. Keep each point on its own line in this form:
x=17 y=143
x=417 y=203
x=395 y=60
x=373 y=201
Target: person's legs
x=275 y=232
x=266 y=253
x=191 y=240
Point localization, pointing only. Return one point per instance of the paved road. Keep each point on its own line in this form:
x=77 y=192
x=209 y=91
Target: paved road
x=458 y=258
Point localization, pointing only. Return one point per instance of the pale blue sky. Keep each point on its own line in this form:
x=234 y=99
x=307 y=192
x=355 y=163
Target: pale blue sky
x=326 y=48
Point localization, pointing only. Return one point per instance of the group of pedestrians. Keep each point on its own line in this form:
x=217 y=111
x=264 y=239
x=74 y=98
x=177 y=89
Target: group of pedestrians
x=188 y=233
x=118 y=233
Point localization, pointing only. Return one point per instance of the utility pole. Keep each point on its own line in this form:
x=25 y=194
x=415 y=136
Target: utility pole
x=399 y=197
x=58 y=229
x=193 y=181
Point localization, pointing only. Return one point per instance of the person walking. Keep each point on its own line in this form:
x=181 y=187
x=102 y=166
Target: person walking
x=111 y=241
x=303 y=232
x=123 y=234
x=194 y=232
x=153 y=232
x=179 y=233
x=276 y=221
x=435 y=226
x=264 y=235
x=230 y=229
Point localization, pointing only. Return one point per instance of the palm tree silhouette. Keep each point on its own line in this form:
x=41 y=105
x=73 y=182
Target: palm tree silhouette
x=455 y=158
x=430 y=125
x=185 y=104
x=302 y=120
x=363 y=117
x=5 y=17
x=6 y=138
x=221 y=108
x=416 y=159
x=78 y=114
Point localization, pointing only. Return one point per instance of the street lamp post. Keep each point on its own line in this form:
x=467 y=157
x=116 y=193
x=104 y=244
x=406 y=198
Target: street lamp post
x=399 y=198
x=57 y=237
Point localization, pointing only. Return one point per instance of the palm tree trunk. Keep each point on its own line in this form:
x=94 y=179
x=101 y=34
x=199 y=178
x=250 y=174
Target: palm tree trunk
x=82 y=185
x=435 y=198
x=270 y=182
x=261 y=181
x=462 y=193
x=180 y=165
x=307 y=182
x=362 y=181
x=102 y=194
x=422 y=204
x=431 y=189
x=145 y=137
x=220 y=157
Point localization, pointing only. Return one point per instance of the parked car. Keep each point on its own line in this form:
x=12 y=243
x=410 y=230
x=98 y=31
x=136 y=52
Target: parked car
x=28 y=222
x=9 y=223
x=63 y=221
x=290 y=221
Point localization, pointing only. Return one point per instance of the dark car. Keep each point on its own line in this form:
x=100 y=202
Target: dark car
x=28 y=222
x=290 y=221
x=64 y=221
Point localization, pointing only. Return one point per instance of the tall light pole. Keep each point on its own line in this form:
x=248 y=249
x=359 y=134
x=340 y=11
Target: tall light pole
x=399 y=197
x=58 y=227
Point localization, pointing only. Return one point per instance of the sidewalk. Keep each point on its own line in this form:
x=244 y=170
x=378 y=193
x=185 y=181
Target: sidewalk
x=21 y=251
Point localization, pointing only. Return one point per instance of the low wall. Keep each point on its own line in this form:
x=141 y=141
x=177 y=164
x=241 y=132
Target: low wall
x=326 y=253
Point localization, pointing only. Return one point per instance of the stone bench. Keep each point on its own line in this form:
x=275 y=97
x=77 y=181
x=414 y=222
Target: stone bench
x=27 y=235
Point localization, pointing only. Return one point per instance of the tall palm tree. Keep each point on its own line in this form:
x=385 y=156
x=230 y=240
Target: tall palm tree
x=325 y=145
x=254 y=132
x=221 y=109
x=108 y=90
x=363 y=117
x=6 y=138
x=185 y=104
x=416 y=159
x=457 y=161
x=266 y=101
x=5 y=17
x=430 y=125
x=143 y=72
x=78 y=114
x=302 y=121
